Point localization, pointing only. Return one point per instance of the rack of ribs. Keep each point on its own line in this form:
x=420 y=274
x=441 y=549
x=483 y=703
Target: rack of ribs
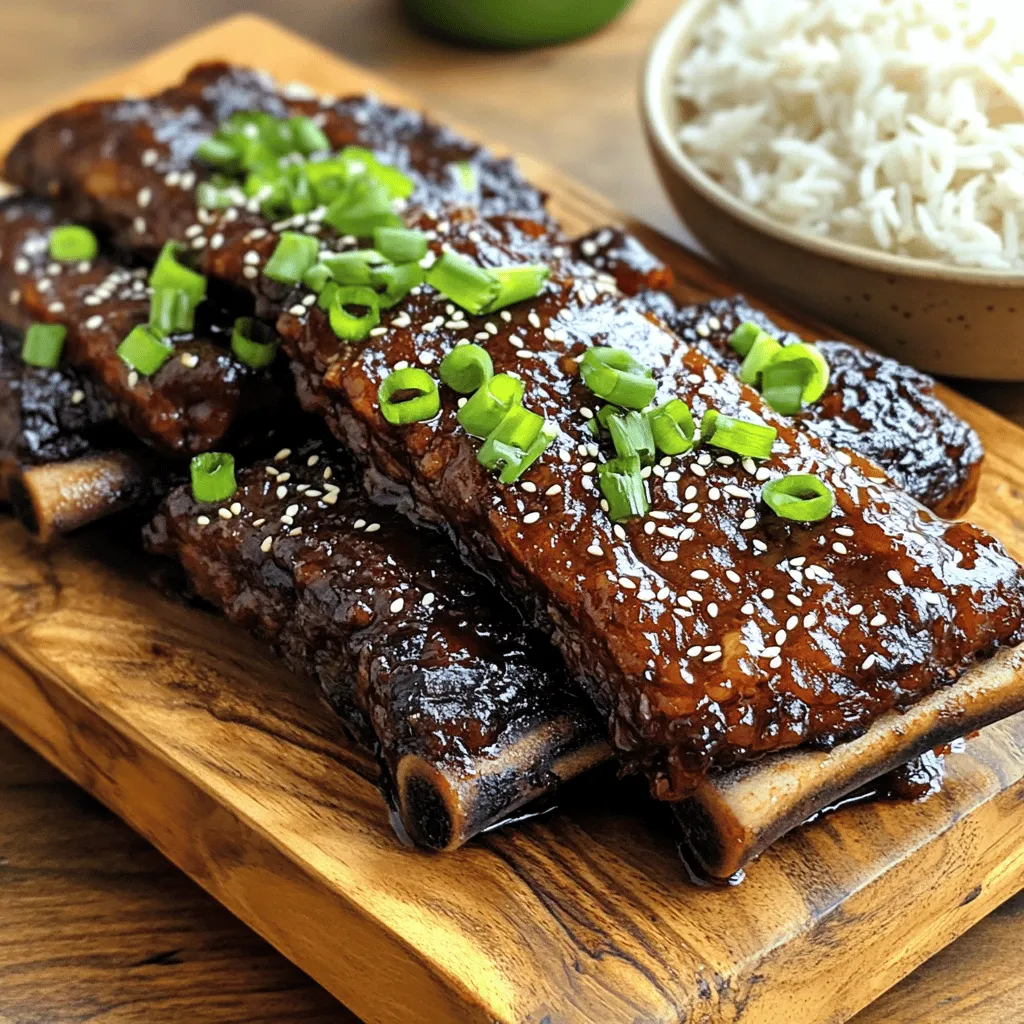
x=680 y=644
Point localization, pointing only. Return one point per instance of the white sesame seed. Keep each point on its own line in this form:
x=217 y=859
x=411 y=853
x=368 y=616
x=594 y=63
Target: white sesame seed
x=895 y=577
x=767 y=593
x=224 y=513
x=619 y=531
x=747 y=609
x=398 y=604
x=700 y=574
x=595 y=550
x=868 y=662
x=77 y=396
x=856 y=609
x=529 y=487
x=282 y=491
x=373 y=528
x=839 y=548
x=94 y=322
x=732 y=576
x=297 y=310
x=692 y=652
x=645 y=595
x=713 y=609
x=133 y=379
x=713 y=656
x=236 y=508
x=780 y=636
x=669 y=556
x=794 y=601
x=791 y=622
x=282 y=454
x=267 y=544
x=810 y=619
x=771 y=652
x=625 y=581
x=203 y=520
x=878 y=620
x=291 y=510
x=531 y=517
x=844 y=531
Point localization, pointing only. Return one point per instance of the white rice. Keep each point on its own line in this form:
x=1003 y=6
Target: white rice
x=895 y=124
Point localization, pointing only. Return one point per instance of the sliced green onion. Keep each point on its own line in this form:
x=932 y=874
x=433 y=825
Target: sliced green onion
x=364 y=206
x=292 y=257
x=213 y=476
x=328 y=179
x=465 y=175
x=753 y=440
x=362 y=161
x=218 y=152
x=145 y=350
x=169 y=273
x=397 y=281
x=43 y=345
x=171 y=311
x=253 y=342
x=316 y=277
x=516 y=284
x=353 y=267
x=783 y=384
x=516 y=443
x=632 y=435
x=743 y=338
x=466 y=368
x=802 y=497
x=408 y=396
x=764 y=349
x=307 y=137
x=623 y=488
x=327 y=293
x=72 y=244
x=347 y=326
x=299 y=192
x=614 y=375
x=814 y=364
x=672 y=427
x=400 y=245
x=490 y=403
x=458 y=278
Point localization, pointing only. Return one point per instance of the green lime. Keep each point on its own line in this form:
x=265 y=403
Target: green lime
x=510 y=23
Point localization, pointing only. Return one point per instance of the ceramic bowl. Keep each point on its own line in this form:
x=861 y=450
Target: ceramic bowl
x=961 y=322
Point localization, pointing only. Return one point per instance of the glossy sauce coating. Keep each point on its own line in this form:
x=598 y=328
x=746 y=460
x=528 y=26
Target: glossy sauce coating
x=876 y=406
x=415 y=654
x=192 y=400
x=711 y=631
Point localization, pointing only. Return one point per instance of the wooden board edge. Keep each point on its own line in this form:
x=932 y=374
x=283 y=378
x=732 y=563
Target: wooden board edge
x=237 y=865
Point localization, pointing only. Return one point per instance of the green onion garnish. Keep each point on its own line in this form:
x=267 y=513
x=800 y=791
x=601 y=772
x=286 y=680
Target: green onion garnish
x=364 y=206
x=465 y=175
x=145 y=350
x=623 y=488
x=292 y=257
x=72 y=244
x=672 y=427
x=614 y=375
x=253 y=342
x=397 y=279
x=307 y=136
x=43 y=345
x=171 y=311
x=490 y=403
x=752 y=440
x=328 y=179
x=515 y=284
x=218 y=152
x=466 y=368
x=400 y=245
x=213 y=476
x=632 y=435
x=764 y=349
x=516 y=443
x=346 y=325
x=359 y=161
x=316 y=277
x=800 y=496
x=169 y=273
x=408 y=396
x=743 y=338
x=354 y=267
x=812 y=363
x=783 y=384
x=458 y=278
x=213 y=195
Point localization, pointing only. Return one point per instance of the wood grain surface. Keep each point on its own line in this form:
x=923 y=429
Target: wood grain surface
x=935 y=989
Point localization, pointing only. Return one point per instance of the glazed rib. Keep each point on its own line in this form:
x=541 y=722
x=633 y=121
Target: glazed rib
x=876 y=406
x=930 y=597
x=189 y=404
x=471 y=716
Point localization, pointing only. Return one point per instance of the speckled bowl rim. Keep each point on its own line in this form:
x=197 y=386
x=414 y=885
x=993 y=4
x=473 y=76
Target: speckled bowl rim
x=657 y=102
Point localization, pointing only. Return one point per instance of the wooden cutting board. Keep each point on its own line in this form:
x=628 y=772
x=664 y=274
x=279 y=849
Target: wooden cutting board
x=230 y=766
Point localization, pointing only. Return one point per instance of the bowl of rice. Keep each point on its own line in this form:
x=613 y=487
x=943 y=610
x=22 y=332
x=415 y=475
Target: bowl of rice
x=862 y=158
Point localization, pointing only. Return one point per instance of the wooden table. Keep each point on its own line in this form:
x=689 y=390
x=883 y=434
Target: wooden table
x=94 y=924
